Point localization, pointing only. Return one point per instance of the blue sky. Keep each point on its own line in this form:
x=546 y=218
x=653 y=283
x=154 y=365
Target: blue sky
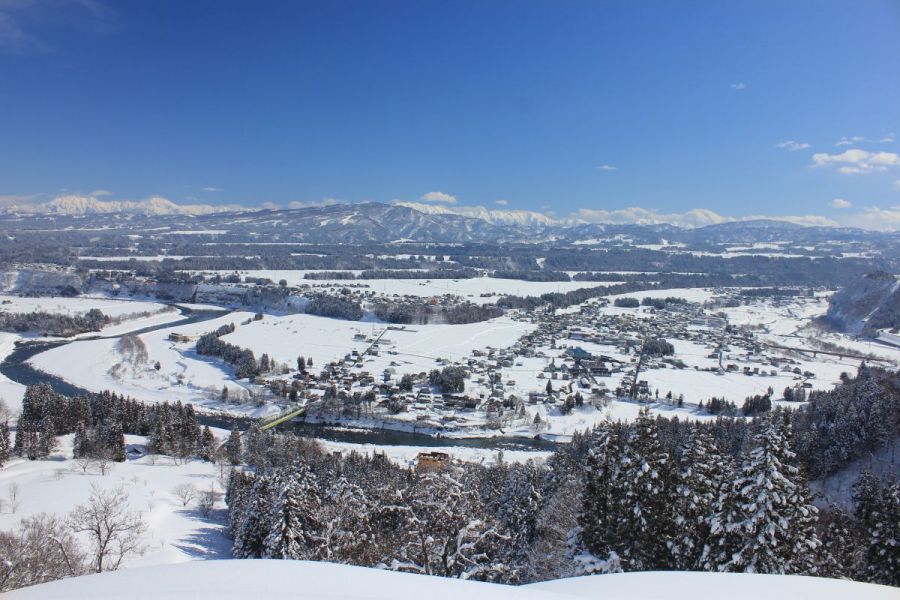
x=581 y=108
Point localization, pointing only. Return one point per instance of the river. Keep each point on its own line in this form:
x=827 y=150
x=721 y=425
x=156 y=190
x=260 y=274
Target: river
x=16 y=368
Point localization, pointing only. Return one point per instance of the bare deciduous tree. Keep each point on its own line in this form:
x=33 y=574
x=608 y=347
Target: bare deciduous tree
x=14 y=500
x=104 y=464
x=114 y=531
x=207 y=500
x=40 y=550
x=185 y=492
x=85 y=463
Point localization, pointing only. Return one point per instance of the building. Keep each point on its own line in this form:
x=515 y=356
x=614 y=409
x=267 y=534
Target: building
x=432 y=461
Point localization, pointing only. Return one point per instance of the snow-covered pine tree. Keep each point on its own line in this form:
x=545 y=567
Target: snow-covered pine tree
x=347 y=535
x=207 y=448
x=602 y=512
x=252 y=526
x=803 y=545
x=647 y=486
x=445 y=534
x=878 y=509
x=233 y=447
x=294 y=530
x=703 y=472
x=520 y=504
x=762 y=521
x=46 y=439
x=839 y=556
x=5 y=449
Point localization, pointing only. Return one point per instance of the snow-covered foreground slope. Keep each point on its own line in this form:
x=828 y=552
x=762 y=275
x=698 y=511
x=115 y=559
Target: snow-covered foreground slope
x=274 y=579
x=700 y=586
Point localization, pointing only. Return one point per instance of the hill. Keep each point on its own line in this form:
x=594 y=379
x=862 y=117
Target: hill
x=274 y=580
x=870 y=303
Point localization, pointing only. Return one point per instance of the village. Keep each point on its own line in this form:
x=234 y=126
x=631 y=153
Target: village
x=569 y=368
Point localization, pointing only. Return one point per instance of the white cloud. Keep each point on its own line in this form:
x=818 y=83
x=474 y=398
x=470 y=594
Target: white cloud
x=100 y=193
x=849 y=140
x=212 y=189
x=15 y=40
x=16 y=199
x=501 y=202
x=840 y=203
x=897 y=185
x=792 y=145
x=24 y=24
x=607 y=168
x=438 y=197
x=739 y=86
x=874 y=218
x=269 y=206
x=856 y=161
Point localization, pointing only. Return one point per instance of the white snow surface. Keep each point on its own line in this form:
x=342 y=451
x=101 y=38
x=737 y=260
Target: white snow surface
x=175 y=533
x=416 y=346
x=183 y=375
x=74 y=306
x=10 y=392
x=276 y=579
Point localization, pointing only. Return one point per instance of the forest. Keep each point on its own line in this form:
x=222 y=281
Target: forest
x=656 y=494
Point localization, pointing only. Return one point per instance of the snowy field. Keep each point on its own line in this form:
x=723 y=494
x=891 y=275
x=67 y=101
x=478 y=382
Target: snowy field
x=112 y=308
x=470 y=289
x=288 y=580
x=102 y=364
x=175 y=533
x=407 y=349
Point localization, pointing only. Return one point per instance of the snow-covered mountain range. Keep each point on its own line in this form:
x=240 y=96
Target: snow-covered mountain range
x=73 y=205
x=405 y=221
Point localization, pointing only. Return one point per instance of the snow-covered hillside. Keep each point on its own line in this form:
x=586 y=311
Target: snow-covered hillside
x=273 y=580
x=872 y=301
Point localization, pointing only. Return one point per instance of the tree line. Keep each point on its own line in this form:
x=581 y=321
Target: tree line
x=656 y=494
x=100 y=421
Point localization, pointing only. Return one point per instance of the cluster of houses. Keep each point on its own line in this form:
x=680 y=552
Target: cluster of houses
x=571 y=371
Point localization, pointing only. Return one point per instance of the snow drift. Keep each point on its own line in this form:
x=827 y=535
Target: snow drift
x=273 y=580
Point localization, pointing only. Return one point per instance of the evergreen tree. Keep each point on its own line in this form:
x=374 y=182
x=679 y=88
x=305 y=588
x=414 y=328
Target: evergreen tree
x=602 y=513
x=252 y=528
x=878 y=510
x=233 y=447
x=764 y=523
x=702 y=476
x=293 y=525
x=520 y=504
x=207 y=449
x=5 y=449
x=646 y=479
x=839 y=556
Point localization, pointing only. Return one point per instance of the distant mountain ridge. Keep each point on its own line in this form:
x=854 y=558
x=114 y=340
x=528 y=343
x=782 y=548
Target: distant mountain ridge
x=88 y=205
x=375 y=222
